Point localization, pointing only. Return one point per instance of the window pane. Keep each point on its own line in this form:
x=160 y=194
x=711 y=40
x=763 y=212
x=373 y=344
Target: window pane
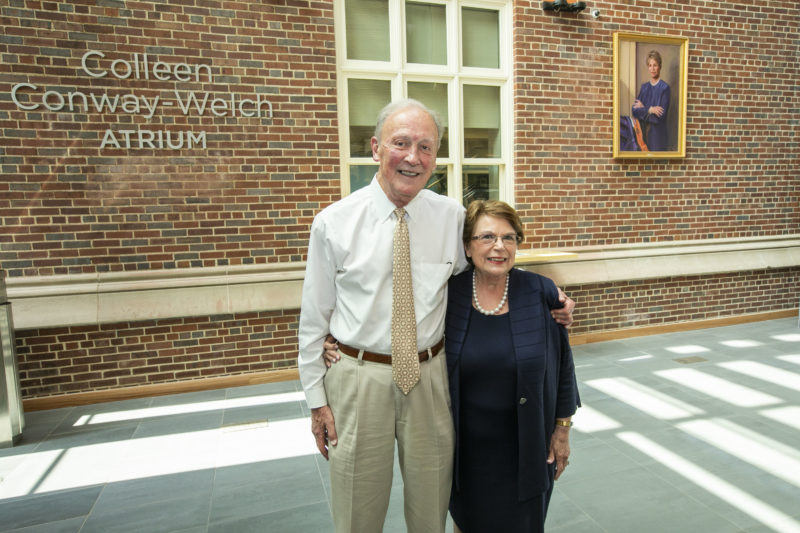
x=481 y=121
x=361 y=176
x=438 y=181
x=426 y=34
x=365 y=98
x=481 y=183
x=480 y=37
x=433 y=95
x=367 y=26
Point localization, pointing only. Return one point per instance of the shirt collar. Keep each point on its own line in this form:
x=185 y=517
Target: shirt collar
x=385 y=208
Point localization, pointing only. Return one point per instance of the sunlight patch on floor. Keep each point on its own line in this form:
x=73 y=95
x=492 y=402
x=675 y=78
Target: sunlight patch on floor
x=788 y=337
x=645 y=398
x=771 y=374
x=768 y=454
x=120 y=460
x=635 y=358
x=791 y=358
x=718 y=388
x=687 y=348
x=741 y=343
x=588 y=420
x=186 y=408
x=789 y=415
x=764 y=513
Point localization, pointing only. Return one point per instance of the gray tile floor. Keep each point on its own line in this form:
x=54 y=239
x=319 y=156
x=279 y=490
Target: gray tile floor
x=685 y=432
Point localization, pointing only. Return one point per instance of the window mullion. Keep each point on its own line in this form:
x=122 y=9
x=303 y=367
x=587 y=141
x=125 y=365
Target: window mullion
x=397 y=33
x=456 y=139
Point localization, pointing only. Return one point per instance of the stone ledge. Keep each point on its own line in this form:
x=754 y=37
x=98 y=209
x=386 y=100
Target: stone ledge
x=585 y=265
x=70 y=300
x=57 y=301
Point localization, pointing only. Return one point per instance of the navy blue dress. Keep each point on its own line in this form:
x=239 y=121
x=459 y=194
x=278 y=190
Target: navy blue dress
x=488 y=468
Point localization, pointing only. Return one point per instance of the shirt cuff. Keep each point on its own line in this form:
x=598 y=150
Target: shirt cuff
x=316 y=397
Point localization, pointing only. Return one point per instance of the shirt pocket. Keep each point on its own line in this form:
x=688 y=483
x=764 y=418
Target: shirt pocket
x=430 y=282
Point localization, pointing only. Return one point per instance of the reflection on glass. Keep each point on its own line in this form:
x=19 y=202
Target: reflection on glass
x=365 y=100
x=361 y=176
x=481 y=121
x=438 y=181
x=367 y=26
x=433 y=95
x=481 y=43
x=481 y=182
x=426 y=34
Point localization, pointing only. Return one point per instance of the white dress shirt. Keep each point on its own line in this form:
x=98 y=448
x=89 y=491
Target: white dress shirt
x=347 y=289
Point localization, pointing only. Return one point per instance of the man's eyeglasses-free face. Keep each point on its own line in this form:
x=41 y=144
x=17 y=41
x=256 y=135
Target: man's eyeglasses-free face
x=488 y=239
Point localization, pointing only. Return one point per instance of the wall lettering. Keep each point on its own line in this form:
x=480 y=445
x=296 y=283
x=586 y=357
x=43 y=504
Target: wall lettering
x=31 y=97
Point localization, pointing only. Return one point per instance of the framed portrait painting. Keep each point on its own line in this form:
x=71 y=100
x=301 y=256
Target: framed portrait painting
x=650 y=95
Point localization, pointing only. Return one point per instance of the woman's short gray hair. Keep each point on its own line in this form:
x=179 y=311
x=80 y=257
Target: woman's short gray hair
x=393 y=107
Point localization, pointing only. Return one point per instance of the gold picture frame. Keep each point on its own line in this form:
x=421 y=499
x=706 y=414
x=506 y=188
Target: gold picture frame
x=650 y=105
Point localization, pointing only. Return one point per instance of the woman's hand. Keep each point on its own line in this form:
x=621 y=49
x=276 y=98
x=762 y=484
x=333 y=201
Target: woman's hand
x=637 y=104
x=564 y=315
x=559 y=449
x=330 y=351
x=656 y=110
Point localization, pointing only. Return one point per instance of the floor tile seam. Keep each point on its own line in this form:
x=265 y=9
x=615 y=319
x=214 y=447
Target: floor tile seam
x=583 y=512
x=173 y=503
x=307 y=503
x=322 y=480
x=83 y=523
x=52 y=428
x=94 y=504
x=210 y=500
x=61 y=519
x=673 y=488
x=703 y=490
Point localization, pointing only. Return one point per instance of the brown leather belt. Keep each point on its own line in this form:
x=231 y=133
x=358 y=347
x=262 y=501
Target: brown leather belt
x=386 y=358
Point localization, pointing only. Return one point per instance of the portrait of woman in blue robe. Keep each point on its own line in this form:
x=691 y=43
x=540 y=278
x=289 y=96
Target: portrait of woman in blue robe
x=651 y=106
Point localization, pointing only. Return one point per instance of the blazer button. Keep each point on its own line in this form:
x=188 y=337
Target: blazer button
x=522 y=400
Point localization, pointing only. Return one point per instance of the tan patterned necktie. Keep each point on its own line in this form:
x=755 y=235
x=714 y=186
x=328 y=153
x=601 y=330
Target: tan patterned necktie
x=405 y=358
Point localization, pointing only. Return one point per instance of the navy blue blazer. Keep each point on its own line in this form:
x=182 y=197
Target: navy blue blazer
x=546 y=385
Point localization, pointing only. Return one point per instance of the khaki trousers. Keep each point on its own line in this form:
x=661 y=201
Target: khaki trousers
x=370 y=413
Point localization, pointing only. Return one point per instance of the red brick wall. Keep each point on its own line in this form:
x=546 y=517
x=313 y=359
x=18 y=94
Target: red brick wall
x=637 y=303
x=55 y=361
x=741 y=172
x=69 y=207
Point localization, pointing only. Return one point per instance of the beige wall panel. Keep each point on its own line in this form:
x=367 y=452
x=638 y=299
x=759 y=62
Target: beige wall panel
x=133 y=306
x=49 y=311
x=265 y=296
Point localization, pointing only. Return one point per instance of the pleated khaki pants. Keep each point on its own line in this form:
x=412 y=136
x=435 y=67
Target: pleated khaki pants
x=370 y=412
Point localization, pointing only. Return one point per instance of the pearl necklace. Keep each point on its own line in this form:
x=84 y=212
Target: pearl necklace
x=478 y=304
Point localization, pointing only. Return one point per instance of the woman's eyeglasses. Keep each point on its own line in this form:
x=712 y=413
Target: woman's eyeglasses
x=488 y=239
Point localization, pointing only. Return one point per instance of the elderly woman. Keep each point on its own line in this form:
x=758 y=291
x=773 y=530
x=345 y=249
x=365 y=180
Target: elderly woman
x=512 y=381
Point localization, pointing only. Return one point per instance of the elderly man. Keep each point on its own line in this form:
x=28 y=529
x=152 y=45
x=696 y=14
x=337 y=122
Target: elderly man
x=376 y=279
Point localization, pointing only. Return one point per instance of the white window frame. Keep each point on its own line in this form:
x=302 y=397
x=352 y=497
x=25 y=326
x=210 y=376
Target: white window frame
x=399 y=72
